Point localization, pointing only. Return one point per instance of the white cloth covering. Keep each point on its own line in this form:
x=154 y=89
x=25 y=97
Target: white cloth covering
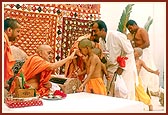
x=149 y=80
x=82 y=103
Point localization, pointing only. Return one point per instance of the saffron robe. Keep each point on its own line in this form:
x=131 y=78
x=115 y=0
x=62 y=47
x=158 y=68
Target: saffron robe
x=9 y=60
x=36 y=65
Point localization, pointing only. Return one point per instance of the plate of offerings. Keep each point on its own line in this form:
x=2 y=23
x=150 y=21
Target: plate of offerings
x=57 y=95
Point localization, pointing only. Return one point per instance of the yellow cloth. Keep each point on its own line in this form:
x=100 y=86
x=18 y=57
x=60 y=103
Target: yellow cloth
x=140 y=93
x=96 y=86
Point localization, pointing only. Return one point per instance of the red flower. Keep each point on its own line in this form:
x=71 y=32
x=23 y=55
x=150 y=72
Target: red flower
x=26 y=86
x=60 y=93
x=121 y=61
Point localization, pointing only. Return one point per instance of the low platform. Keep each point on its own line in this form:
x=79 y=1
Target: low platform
x=82 y=103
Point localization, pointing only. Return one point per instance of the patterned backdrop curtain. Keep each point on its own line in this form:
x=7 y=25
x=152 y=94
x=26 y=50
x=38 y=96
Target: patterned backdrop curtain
x=36 y=29
x=58 y=25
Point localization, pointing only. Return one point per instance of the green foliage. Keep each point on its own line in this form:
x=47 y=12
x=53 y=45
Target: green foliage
x=23 y=79
x=148 y=23
x=124 y=18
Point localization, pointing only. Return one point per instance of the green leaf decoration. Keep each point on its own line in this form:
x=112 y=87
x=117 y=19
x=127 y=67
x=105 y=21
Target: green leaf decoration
x=148 y=23
x=124 y=18
x=23 y=79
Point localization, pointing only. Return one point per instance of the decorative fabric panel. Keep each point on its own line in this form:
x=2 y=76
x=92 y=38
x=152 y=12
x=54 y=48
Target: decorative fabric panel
x=37 y=28
x=72 y=29
x=58 y=25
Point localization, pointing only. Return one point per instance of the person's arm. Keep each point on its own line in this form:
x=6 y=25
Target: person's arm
x=104 y=69
x=81 y=72
x=79 y=55
x=108 y=77
x=119 y=70
x=145 y=37
x=148 y=69
x=131 y=38
x=61 y=62
x=91 y=71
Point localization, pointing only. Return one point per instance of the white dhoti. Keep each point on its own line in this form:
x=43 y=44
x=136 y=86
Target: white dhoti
x=130 y=76
x=149 y=80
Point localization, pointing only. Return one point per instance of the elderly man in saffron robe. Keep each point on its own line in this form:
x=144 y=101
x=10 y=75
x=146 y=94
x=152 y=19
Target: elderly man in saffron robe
x=37 y=69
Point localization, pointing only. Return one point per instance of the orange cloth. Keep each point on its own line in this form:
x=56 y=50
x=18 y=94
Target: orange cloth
x=70 y=67
x=36 y=65
x=9 y=60
x=96 y=86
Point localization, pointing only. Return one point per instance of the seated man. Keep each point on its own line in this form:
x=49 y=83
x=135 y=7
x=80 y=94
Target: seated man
x=37 y=69
x=19 y=56
x=18 y=53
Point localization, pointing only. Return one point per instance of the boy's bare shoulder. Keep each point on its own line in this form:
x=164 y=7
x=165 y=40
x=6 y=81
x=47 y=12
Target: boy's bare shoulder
x=95 y=57
x=141 y=61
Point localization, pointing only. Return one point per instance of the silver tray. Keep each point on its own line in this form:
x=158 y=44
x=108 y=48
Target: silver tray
x=52 y=98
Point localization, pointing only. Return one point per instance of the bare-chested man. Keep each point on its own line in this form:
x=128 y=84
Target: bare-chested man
x=140 y=35
x=93 y=82
x=141 y=39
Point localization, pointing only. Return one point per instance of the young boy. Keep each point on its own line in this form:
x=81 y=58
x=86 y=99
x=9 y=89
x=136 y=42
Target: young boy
x=141 y=95
x=93 y=82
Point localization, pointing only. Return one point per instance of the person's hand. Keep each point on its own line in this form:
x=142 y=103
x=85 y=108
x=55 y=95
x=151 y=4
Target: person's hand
x=157 y=72
x=130 y=36
x=119 y=71
x=78 y=52
x=74 y=74
x=48 y=85
x=72 y=56
x=85 y=58
x=80 y=89
x=109 y=76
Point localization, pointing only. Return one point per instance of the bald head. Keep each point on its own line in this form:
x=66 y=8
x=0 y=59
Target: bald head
x=43 y=47
x=45 y=51
x=97 y=51
x=85 y=43
x=139 y=51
